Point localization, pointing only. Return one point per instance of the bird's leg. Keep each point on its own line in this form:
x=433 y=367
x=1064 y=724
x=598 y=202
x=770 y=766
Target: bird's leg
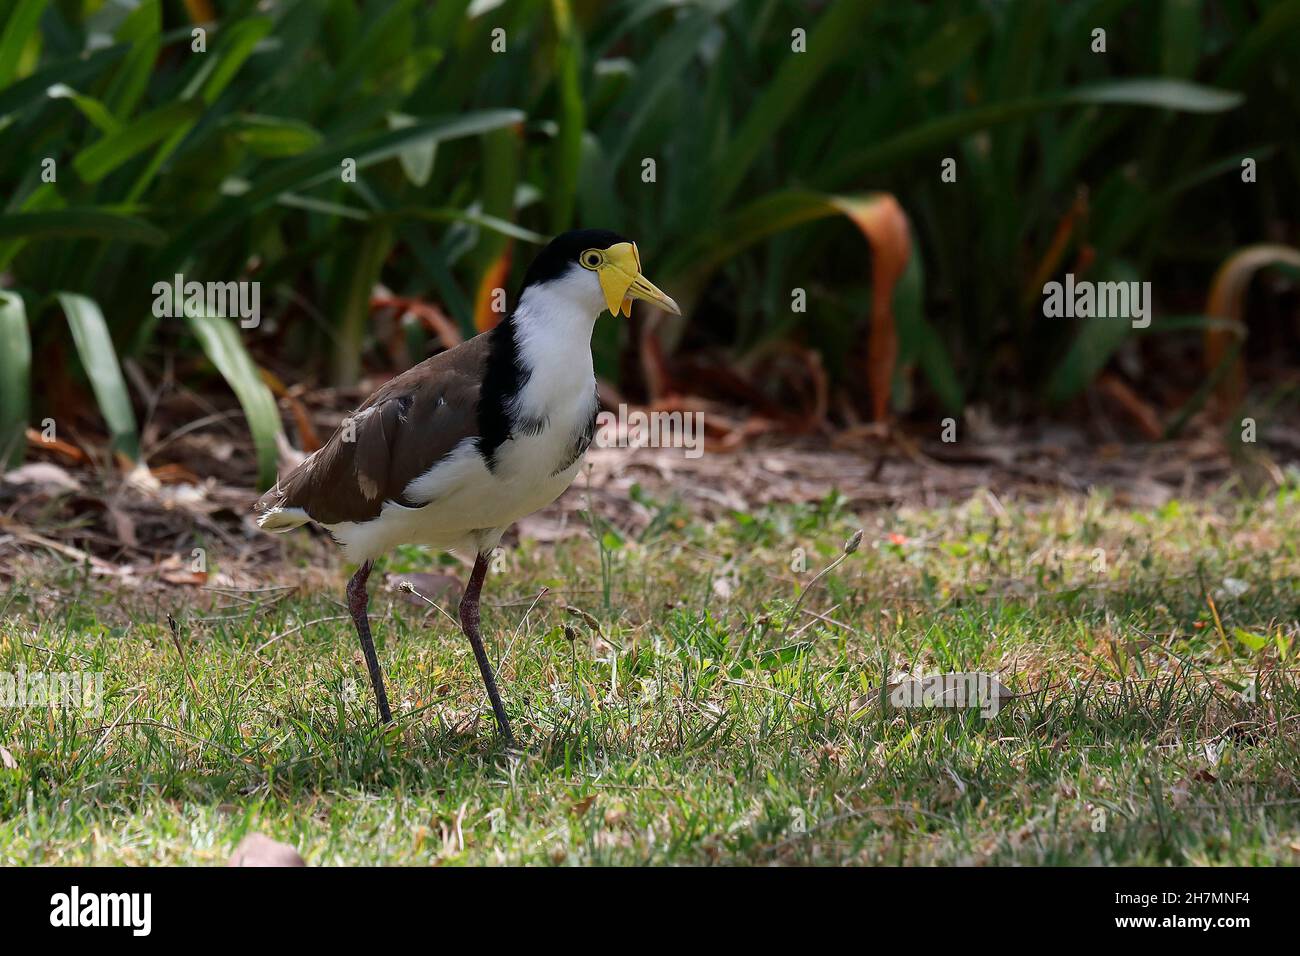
x=357 y=601
x=469 y=624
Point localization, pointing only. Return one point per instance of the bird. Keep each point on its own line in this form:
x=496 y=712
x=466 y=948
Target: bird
x=453 y=451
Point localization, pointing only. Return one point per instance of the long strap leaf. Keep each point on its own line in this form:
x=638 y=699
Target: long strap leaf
x=22 y=20
x=95 y=347
x=15 y=376
x=220 y=340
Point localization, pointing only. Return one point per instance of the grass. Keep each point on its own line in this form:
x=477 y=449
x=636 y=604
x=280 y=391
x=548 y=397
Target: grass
x=685 y=717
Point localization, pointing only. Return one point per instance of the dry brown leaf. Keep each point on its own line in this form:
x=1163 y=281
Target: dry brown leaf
x=302 y=421
x=1227 y=300
x=1051 y=261
x=885 y=225
x=494 y=277
x=7 y=759
x=44 y=475
x=430 y=316
x=175 y=474
x=1137 y=411
x=176 y=570
x=71 y=452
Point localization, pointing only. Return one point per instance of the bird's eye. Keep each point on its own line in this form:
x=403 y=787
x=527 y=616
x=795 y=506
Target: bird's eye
x=591 y=259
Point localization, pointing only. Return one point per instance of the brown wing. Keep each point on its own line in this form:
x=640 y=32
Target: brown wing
x=404 y=429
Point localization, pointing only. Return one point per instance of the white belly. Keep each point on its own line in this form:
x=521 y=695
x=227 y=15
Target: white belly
x=469 y=506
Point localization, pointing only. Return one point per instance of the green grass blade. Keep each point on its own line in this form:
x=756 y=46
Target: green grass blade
x=275 y=135
x=302 y=172
x=1158 y=93
x=22 y=22
x=105 y=155
x=359 y=268
x=235 y=47
x=919 y=342
x=757 y=220
x=79 y=222
x=567 y=150
x=417 y=160
x=15 y=377
x=72 y=70
x=220 y=341
x=1278 y=25
x=498 y=178
x=141 y=29
x=653 y=80
x=1180 y=28
x=491 y=223
x=833 y=35
x=42 y=199
x=1093 y=345
x=946 y=50
x=98 y=358
x=91 y=108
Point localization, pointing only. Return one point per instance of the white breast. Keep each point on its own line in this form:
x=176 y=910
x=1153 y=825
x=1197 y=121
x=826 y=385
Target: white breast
x=469 y=507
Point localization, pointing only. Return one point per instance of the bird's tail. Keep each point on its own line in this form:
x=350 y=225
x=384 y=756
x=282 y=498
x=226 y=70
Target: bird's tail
x=272 y=515
x=280 y=520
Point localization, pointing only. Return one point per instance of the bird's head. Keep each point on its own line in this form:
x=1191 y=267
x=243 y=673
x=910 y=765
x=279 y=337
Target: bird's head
x=596 y=268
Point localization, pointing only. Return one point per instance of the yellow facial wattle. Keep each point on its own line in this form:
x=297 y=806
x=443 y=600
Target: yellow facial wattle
x=619 y=270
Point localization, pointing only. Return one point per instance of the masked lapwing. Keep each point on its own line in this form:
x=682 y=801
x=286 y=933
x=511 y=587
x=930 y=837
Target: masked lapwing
x=453 y=451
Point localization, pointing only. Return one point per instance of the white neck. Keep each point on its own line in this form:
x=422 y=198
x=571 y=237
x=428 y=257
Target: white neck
x=552 y=325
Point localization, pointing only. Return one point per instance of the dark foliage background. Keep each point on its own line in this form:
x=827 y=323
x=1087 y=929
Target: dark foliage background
x=775 y=170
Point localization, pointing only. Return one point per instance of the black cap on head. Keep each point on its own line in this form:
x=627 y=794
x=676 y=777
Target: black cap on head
x=563 y=251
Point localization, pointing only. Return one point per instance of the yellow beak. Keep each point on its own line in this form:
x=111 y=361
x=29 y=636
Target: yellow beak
x=621 y=281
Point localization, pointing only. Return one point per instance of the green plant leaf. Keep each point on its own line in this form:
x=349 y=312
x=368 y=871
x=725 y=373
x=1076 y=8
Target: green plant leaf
x=105 y=155
x=72 y=70
x=881 y=221
x=918 y=341
x=359 y=265
x=1158 y=93
x=43 y=198
x=568 y=142
x=417 y=160
x=91 y=108
x=99 y=359
x=831 y=38
x=274 y=135
x=1180 y=28
x=499 y=173
x=141 y=29
x=235 y=46
x=1092 y=346
x=15 y=377
x=491 y=223
x=98 y=223
x=219 y=338
x=322 y=164
x=22 y=20
x=1253 y=641
x=653 y=80
x=930 y=62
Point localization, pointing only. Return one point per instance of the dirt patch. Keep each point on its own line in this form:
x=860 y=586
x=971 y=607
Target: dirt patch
x=156 y=524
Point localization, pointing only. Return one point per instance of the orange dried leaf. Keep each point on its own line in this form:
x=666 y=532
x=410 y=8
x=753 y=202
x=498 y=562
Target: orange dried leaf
x=885 y=225
x=1227 y=300
x=494 y=277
